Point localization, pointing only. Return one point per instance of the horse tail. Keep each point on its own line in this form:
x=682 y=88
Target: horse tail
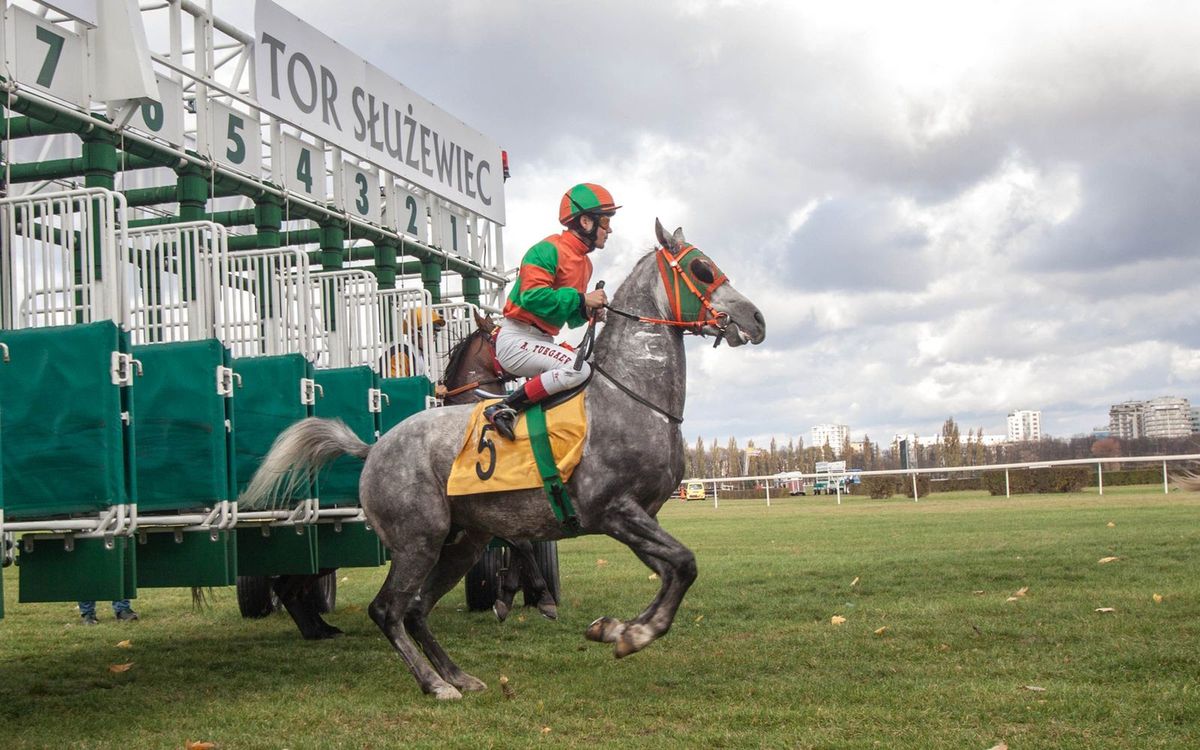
x=1188 y=481
x=297 y=456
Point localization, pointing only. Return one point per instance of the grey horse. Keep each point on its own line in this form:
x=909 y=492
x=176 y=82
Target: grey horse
x=632 y=462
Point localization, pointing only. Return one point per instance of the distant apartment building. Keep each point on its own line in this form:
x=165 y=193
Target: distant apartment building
x=1195 y=419
x=1125 y=420
x=904 y=447
x=1162 y=417
x=1024 y=425
x=834 y=435
x=1167 y=417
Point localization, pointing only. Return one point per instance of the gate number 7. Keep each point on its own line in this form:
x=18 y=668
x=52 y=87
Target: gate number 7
x=50 y=64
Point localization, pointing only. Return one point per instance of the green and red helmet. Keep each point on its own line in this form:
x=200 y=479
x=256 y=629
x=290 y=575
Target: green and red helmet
x=585 y=198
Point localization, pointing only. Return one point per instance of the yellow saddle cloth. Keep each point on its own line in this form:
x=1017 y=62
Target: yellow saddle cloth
x=488 y=462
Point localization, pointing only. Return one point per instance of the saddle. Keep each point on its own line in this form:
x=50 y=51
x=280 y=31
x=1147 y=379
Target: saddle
x=485 y=464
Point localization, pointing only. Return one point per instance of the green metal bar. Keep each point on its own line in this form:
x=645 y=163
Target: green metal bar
x=191 y=190
x=268 y=221
x=472 y=288
x=240 y=218
x=53 y=169
x=385 y=263
x=152 y=154
x=431 y=278
x=151 y=196
x=287 y=239
x=333 y=245
x=28 y=127
x=156 y=221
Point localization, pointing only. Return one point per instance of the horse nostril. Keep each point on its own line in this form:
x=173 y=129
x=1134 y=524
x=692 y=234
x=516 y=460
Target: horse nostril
x=758 y=318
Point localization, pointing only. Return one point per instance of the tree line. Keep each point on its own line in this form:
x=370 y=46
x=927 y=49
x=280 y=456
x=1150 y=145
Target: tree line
x=710 y=459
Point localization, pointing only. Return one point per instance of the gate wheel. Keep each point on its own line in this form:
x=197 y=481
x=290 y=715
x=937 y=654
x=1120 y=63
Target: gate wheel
x=255 y=597
x=483 y=579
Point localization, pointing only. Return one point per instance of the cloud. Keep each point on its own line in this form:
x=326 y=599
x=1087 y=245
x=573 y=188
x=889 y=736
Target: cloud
x=941 y=208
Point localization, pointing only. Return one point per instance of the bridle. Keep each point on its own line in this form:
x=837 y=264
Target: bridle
x=680 y=279
x=459 y=353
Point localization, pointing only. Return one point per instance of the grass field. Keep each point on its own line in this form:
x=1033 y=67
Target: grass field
x=753 y=661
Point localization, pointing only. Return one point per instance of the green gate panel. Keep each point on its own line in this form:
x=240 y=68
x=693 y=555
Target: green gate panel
x=268 y=402
x=191 y=559
x=184 y=456
x=405 y=397
x=348 y=545
x=283 y=552
x=75 y=453
x=346 y=397
x=90 y=571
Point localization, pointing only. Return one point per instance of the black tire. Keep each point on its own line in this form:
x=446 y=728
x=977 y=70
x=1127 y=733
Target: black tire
x=324 y=592
x=483 y=580
x=546 y=554
x=254 y=596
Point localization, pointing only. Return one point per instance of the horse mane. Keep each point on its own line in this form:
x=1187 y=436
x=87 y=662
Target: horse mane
x=454 y=359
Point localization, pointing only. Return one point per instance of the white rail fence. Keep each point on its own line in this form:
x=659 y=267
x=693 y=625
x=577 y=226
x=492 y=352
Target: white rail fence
x=911 y=474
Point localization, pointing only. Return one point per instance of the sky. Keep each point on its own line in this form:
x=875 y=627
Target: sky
x=942 y=209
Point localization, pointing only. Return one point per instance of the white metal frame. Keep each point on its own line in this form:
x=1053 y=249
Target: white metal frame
x=49 y=241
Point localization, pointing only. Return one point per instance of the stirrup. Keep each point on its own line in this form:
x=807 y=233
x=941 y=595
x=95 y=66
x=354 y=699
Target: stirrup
x=488 y=396
x=503 y=418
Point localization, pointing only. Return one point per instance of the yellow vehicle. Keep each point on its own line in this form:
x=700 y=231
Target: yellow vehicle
x=695 y=491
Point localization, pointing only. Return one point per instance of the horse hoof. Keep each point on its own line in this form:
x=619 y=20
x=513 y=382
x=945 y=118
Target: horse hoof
x=549 y=611
x=468 y=684
x=633 y=639
x=447 y=693
x=500 y=609
x=604 y=630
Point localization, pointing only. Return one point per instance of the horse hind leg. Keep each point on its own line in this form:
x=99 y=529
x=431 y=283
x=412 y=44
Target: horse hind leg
x=410 y=566
x=456 y=559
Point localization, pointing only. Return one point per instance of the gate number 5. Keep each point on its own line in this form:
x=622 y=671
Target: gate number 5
x=490 y=447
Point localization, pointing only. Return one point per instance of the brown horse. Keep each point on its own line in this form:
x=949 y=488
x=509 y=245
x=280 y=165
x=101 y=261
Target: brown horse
x=472 y=365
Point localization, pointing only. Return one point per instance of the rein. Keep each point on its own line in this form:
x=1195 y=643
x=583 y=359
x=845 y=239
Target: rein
x=673 y=272
x=641 y=400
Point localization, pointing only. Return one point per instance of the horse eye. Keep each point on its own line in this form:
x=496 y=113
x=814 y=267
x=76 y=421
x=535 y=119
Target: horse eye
x=702 y=270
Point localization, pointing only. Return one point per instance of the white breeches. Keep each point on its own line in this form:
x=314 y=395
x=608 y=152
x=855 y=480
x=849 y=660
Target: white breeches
x=528 y=351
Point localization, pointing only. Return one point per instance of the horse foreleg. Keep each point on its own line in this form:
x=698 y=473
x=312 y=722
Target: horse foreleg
x=456 y=559
x=510 y=582
x=410 y=567
x=296 y=594
x=676 y=566
x=532 y=575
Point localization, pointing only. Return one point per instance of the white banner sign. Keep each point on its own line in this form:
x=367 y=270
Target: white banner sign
x=306 y=78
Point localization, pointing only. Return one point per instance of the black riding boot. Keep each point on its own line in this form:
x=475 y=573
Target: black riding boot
x=503 y=415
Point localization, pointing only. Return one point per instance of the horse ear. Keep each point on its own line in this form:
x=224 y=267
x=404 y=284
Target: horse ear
x=664 y=239
x=678 y=237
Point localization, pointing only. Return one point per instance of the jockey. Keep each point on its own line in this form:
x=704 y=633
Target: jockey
x=403 y=361
x=551 y=291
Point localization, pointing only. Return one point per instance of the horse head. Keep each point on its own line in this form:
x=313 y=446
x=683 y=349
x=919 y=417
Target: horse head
x=696 y=289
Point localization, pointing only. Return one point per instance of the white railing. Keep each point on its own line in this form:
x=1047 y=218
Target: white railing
x=59 y=259
x=345 y=311
x=264 y=303
x=175 y=267
x=1099 y=463
x=460 y=323
x=407 y=323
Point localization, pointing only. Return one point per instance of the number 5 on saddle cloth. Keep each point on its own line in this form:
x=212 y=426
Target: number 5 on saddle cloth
x=547 y=448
